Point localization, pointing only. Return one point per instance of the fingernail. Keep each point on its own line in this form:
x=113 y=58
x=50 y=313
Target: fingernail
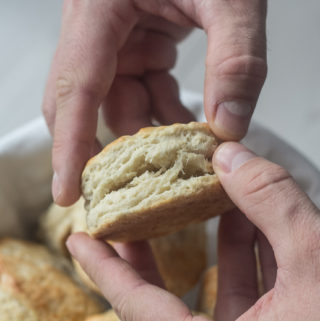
x=231 y=156
x=56 y=187
x=233 y=117
x=70 y=247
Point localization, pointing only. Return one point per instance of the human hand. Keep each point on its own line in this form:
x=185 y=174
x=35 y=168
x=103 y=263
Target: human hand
x=288 y=221
x=118 y=54
x=273 y=202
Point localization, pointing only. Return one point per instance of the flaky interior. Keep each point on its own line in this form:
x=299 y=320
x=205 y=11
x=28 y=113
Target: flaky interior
x=147 y=168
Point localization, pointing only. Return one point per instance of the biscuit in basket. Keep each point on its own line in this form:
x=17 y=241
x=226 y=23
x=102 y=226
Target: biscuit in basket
x=33 y=286
x=208 y=291
x=181 y=257
x=153 y=183
x=55 y=226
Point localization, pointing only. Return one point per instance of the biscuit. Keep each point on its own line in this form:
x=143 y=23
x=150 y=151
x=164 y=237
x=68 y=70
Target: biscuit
x=55 y=226
x=208 y=291
x=181 y=257
x=34 y=287
x=153 y=183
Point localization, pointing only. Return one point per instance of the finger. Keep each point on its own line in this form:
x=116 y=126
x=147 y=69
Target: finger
x=267 y=261
x=272 y=201
x=165 y=101
x=127 y=106
x=131 y=296
x=235 y=63
x=146 y=50
x=87 y=65
x=237 y=277
x=164 y=26
x=139 y=256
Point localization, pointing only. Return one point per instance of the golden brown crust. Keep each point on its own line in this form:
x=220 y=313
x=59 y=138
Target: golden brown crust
x=208 y=291
x=30 y=278
x=181 y=258
x=174 y=215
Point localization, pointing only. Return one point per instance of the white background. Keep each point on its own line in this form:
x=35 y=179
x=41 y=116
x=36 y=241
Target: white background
x=289 y=104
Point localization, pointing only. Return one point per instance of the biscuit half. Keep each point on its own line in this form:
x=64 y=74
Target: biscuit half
x=153 y=183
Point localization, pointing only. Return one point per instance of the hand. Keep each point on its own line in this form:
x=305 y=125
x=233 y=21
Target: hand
x=118 y=54
x=272 y=201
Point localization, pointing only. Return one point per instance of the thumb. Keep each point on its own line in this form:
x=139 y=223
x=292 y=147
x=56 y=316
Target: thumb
x=270 y=198
x=236 y=64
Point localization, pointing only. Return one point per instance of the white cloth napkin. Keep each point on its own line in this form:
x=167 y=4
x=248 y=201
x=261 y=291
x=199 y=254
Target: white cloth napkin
x=25 y=169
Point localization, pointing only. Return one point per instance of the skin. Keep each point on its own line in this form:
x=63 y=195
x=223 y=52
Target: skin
x=268 y=199
x=117 y=55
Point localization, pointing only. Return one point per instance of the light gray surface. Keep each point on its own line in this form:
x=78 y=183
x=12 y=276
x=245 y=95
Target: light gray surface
x=289 y=104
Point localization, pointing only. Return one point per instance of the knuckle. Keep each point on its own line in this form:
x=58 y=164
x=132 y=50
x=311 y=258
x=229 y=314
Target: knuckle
x=266 y=177
x=70 y=85
x=266 y=185
x=245 y=66
x=124 y=303
x=64 y=89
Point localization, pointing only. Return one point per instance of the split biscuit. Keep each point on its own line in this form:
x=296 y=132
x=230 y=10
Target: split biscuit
x=153 y=183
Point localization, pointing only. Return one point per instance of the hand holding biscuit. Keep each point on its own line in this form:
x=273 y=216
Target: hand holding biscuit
x=273 y=202
x=118 y=55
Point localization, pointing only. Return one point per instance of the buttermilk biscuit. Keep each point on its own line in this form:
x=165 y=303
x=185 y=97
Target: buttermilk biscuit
x=79 y=225
x=181 y=258
x=56 y=223
x=153 y=183
x=208 y=291
x=33 y=286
